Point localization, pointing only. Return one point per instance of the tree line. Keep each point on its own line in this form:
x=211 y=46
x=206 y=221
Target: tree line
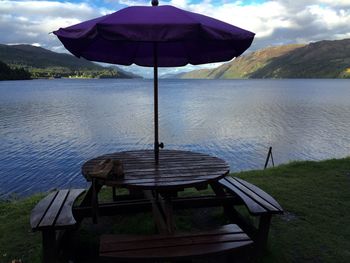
x=16 y=72
x=8 y=73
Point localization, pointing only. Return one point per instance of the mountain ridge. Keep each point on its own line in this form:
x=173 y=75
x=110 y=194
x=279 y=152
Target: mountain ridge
x=41 y=63
x=323 y=59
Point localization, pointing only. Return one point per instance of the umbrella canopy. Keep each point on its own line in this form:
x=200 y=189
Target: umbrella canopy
x=155 y=36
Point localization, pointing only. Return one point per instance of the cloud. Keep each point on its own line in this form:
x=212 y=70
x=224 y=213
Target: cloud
x=32 y=21
x=274 y=21
x=281 y=21
x=336 y=3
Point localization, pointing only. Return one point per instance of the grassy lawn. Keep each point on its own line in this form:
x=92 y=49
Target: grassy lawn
x=315 y=227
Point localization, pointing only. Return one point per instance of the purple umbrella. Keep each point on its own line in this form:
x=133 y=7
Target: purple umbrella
x=155 y=36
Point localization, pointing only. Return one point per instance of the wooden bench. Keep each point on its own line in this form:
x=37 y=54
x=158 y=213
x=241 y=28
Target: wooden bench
x=223 y=240
x=52 y=213
x=258 y=203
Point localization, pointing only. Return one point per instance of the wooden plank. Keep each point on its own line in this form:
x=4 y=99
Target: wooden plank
x=158 y=214
x=183 y=169
x=49 y=246
x=225 y=229
x=66 y=217
x=40 y=210
x=94 y=199
x=261 y=193
x=217 y=241
x=177 y=156
x=165 y=243
x=252 y=206
x=182 y=164
x=146 y=156
x=179 y=168
x=183 y=252
x=165 y=152
x=263 y=232
x=178 y=183
x=163 y=186
x=171 y=171
x=262 y=202
x=165 y=179
x=109 y=209
x=175 y=169
x=232 y=231
x=53 y=211
x=167 y=207
x=129 y=207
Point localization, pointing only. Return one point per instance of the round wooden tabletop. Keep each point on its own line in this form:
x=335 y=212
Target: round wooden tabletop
x=176 y=169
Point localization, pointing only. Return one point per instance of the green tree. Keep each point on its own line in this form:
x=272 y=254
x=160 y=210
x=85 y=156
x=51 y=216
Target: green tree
x=7 y=73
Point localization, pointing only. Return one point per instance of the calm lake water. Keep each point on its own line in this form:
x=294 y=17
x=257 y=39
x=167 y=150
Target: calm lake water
x=48 y=128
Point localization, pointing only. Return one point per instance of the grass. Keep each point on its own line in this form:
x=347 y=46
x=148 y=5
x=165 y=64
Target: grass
x=16 y=238
x=315 y=227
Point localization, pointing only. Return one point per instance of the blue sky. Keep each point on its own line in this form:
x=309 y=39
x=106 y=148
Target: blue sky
x=275 y=22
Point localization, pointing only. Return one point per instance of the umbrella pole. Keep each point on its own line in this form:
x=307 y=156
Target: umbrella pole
x=155 y=79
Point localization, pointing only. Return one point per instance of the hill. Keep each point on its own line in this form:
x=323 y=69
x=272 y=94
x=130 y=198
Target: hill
x=43 y=63
x=324 y=59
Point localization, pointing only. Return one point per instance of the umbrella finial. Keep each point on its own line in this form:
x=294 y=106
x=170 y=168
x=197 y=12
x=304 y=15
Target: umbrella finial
x=155 y=2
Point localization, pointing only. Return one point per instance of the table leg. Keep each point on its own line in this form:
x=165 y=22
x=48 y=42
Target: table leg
x=91 y=199
x=263 y=232
x=219 y=191
x=169 y=214
x=114 y=193
x=94 y=201
x=157 y=212
x=49 y=246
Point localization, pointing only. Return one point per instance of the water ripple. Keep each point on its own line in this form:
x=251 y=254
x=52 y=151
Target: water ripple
x=48 y=128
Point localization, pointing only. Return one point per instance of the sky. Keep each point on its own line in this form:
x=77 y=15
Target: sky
x=274 y=22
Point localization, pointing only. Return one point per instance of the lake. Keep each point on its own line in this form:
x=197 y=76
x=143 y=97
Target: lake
x=48 y=128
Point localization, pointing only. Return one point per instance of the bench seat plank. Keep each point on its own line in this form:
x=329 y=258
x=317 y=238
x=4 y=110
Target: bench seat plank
x=40 y=210
x=260 y=192
x=260 y=200
x=165 y=242
x=66 y=217
x=177 y=252
x=231 y=228
x=256 y=200
x=55 y=210
x=52 y=213
x=222 y=240
x=253 y=207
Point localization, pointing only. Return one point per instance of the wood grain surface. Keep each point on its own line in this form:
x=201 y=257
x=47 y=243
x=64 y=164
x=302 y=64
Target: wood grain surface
x=175 y=169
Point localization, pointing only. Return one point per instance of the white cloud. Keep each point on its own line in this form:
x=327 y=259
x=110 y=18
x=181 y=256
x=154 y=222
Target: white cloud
x=32 y=21
x=130 y=2
x=282 y=21
x=48 y=8
x=329 y=18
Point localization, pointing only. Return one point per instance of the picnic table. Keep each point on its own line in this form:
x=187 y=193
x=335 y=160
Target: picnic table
x=155 y=187
x=161 y=182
